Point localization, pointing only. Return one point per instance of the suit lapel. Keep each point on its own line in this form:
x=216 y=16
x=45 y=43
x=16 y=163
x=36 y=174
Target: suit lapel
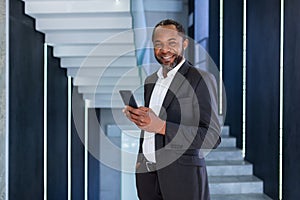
x=175 y=85
x=149 y=86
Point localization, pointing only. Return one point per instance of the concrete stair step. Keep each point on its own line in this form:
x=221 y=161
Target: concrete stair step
x=108 y=61
x=46 y=7
x=133 y=127
x=224 y=153
x=97 y=81
x=114 y=97
x=109 y=72
x=240 y=197
x=106 y=88
x=94 y=50
x=83 y=22
x=163 y=6
x=235 y=185
x=225 y=130
x=228 y=141
x=229 y=168
x=90 y=37
x=105 y=104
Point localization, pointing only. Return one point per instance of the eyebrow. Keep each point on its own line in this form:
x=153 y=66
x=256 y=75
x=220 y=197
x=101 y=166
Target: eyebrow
x=168 y=40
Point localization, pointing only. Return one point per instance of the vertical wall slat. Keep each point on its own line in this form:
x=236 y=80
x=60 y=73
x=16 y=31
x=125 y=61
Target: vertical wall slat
x=94 y=154
x=77 y=174
x=263 y=66
x=25 y=106
x=233 y=66
x=281 y=98
x=69 y=138
x=291 y=114
x=57 y=130
x=45 y=120
x=86 y=153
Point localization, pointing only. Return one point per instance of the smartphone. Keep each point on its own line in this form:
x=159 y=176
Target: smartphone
x=128 y=98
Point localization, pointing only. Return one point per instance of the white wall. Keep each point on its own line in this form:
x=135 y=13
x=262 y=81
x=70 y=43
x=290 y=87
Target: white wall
x=3 y=105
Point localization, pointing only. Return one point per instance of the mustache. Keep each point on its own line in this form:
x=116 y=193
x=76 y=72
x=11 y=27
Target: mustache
x=177 y=60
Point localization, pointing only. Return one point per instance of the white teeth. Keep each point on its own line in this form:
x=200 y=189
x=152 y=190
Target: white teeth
x=167 y=57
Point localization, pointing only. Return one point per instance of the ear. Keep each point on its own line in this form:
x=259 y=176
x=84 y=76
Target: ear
x=185 y=44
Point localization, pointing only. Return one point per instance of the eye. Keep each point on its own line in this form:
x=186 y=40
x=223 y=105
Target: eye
x=157 y=45
x=172 y=44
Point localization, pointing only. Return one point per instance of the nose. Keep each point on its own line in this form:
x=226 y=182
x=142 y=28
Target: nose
x=165 y=49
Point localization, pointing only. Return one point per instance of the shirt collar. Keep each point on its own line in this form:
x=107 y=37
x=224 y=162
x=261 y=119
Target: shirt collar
x=171 y=72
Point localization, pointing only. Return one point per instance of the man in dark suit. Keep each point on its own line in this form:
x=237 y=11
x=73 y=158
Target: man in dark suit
x=179 y=122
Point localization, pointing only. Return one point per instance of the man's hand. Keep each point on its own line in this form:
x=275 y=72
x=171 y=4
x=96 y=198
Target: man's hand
x=145 y=119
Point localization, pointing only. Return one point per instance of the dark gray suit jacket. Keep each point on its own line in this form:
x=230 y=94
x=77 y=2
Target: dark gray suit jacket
x=192 y=130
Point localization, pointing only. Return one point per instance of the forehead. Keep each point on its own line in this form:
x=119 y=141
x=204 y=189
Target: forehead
x=165 y=32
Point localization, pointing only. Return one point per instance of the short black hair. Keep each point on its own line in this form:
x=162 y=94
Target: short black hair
x=166 y=22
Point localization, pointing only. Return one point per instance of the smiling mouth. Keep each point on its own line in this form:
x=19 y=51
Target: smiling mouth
x=167 y=58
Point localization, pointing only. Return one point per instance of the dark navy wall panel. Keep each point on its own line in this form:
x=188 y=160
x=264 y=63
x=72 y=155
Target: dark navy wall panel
x=110 y=182
x=94 y=151
x=233 y=65
x=191 y=28
x=291 y=165
x=77 y=145
x=190 y=32
x=262 y=120
x=57 y=129
x=25 y=106
x=214 y=31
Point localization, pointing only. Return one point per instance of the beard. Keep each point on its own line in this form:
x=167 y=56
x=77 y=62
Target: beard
x=171 y=65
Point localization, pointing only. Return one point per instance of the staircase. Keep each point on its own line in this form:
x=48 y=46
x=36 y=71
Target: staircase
x=230 y=177
x=94 y=40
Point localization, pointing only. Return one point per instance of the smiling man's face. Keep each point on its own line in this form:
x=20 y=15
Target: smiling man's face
x=169 y=46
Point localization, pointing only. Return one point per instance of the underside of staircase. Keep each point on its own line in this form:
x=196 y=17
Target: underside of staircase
x=95 y=43
x=94 y=40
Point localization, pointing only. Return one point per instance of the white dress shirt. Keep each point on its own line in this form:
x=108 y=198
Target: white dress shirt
x=158 y=95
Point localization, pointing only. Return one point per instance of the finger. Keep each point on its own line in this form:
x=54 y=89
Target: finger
x=139 y=124
x=144 y=109
x=137 y=111
x=130 y=117
x=136 y=122
x=128 y=113
x=135 y=118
